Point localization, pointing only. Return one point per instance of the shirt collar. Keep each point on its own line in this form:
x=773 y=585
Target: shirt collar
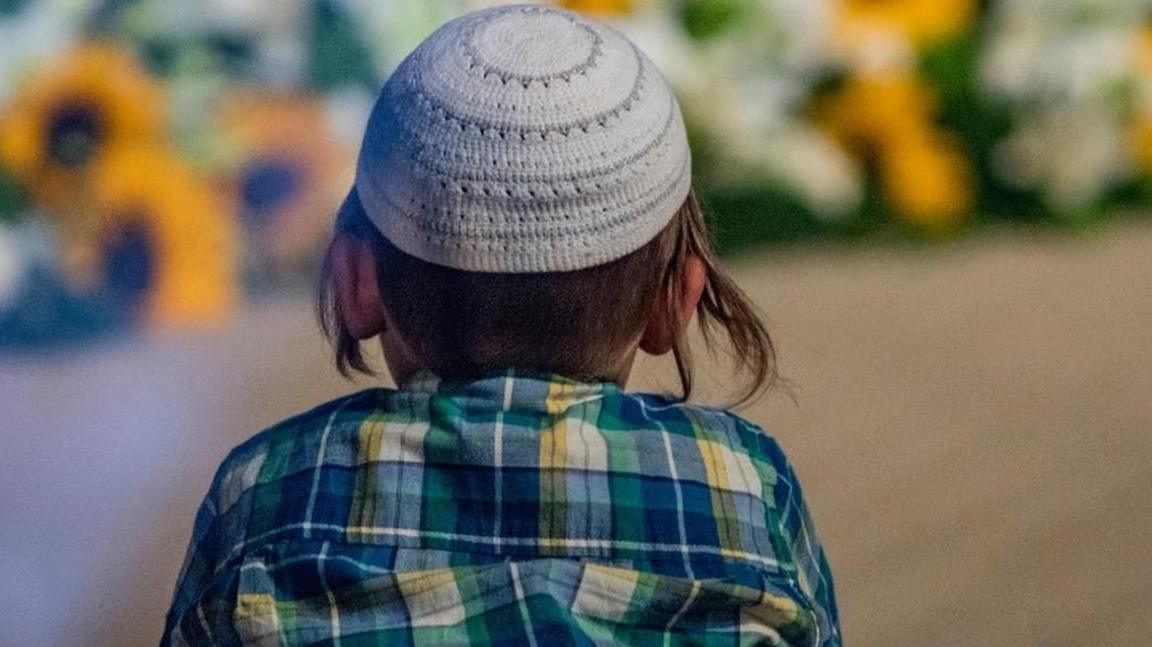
x=511 y=391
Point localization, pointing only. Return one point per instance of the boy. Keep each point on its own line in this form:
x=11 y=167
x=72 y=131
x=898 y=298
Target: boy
x=522 y=224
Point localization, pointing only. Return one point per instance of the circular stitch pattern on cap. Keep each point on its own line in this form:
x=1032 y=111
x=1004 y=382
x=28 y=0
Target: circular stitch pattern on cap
x=553 y=51
x=524 y=139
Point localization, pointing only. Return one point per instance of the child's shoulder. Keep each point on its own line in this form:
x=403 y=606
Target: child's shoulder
x=298 y=437
x=717 y=422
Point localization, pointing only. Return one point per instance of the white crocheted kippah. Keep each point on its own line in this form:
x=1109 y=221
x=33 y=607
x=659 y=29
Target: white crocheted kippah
x=524 y=139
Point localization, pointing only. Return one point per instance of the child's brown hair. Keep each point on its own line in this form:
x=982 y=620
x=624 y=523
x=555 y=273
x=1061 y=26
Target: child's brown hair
x=466 y=324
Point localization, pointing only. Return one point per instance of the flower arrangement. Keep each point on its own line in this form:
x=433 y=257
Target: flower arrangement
x=832 y=118
x=160 y=159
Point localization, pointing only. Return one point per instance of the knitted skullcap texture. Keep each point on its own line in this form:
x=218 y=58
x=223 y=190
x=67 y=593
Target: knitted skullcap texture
x=524 y=139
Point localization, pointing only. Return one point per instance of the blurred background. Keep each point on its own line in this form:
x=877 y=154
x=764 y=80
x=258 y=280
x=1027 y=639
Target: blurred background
x=944 y=208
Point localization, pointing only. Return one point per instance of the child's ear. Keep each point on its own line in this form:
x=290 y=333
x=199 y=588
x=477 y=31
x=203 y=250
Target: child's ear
x=666 y=324
x=358 y=298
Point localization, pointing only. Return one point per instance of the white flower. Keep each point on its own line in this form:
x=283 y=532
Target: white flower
x=42 y=31
x=347 y=110
x=472 y=5
x=182 y=19
x=660 y=37
x=1072 y=155
x=1064 y=67
x=23 y=246
x=819 y=169
x=807 y=30
x=393 y=28
x=12 y=267
x=273 y=29
x=744 y=88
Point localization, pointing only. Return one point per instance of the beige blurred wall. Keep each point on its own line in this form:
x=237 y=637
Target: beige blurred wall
x=972 y=423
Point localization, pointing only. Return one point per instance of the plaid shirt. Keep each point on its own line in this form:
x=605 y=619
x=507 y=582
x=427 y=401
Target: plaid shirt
x=511 y=510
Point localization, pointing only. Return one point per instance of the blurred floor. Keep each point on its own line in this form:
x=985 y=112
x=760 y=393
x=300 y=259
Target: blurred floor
x=972 y=424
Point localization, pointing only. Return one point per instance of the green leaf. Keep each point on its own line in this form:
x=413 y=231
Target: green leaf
x=953 y=69
x=13 y=199
x=704 y=19
x=12 y=7
x=159 y=55
x=339 y=56
x=742 y=218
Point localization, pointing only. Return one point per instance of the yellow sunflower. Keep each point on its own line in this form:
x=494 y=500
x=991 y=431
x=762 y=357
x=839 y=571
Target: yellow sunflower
x=62 y=122
x=890 y=119
x=600 y=7
x=918 y=21
x=1142 y=136
x=870 y=111
x=926 y=176
x=166 y=240
x=287 y=170
x=1142 y=141
x=921 y=22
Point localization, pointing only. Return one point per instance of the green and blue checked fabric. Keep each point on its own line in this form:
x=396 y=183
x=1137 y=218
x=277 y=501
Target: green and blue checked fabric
x=510 y=510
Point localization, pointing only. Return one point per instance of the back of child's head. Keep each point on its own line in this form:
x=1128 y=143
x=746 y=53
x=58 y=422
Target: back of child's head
x=524 y=186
